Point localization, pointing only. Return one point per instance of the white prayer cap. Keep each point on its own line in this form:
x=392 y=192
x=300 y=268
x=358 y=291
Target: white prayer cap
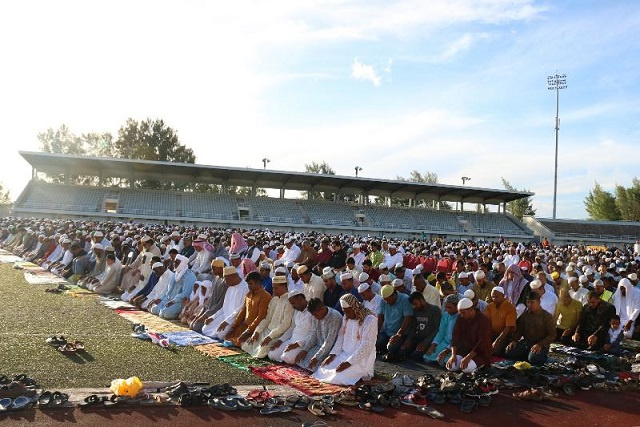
x=287 y=240
x=328 y=275
x=382 y=266
x=302 y=269
x=535 y=284
x=344 y=303
x=633 y=276
x=588 y=271
x=363 y=277
x=98 y=234
x=98 y=246
x=346 y=276
x=279 y=279
x=622 y=270
x=157 y=265
x=598 y=283
x=583 y=279
x=498 y=289
x=560 y=263
x=569 y=269
x=572 y=279
x=384 y=278
x=228 y=271
x=363 y=287
x=66 y=241
x=397 y=283
x=479 y=275
x=469 y=294
x=145 y=239
x=326 y=270
x=175 y=234
x=462 y=275
x=281 y=270
x=265 y=265
x=465 y=303
x=234 y=256
x=399 y=266
x=202 y=237
x=356 y=246
x=297 y=290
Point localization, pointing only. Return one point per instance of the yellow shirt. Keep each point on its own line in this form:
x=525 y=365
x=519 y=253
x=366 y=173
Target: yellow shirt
x=567 y=316
x=501 y=317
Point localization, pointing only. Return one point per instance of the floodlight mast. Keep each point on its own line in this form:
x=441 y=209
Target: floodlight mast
x=556 y=82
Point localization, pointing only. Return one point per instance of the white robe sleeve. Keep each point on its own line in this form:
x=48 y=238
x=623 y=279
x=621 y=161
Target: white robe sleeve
x=367 y=343
x=337 y=347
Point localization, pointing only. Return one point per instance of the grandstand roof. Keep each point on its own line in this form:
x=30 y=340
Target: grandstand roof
x=301 y=181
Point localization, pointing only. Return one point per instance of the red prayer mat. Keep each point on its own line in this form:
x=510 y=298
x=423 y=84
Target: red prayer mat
x=297 y=378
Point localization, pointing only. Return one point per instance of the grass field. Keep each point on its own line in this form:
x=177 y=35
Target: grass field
x=30 y=315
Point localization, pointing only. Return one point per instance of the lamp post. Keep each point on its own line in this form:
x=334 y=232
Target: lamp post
x=265 y=161
x=358 y=169
x=556 y=82
x=464 y=181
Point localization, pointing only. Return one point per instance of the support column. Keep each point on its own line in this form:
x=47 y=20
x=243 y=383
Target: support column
x=282 y=193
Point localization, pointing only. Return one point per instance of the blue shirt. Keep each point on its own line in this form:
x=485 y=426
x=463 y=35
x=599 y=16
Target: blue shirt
x=394 y=314
x=267 y=284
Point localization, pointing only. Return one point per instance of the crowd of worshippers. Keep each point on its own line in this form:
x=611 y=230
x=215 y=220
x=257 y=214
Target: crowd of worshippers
x=332 y=304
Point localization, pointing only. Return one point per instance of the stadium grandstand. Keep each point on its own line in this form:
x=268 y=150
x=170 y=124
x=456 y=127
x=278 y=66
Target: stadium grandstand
x=43 y=199
x=572 y=231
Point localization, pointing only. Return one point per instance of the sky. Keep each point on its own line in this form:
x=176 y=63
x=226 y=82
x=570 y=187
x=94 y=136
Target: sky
x=454 y=87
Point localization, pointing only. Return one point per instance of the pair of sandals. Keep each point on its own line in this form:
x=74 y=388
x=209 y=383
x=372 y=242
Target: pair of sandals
x=64 y=346
x=276 y=405
x=113 y=400
x=16 y=389
x=139 y=331
x=58 y=290
x=52 y=400
x=229 y=403
x=17 y=404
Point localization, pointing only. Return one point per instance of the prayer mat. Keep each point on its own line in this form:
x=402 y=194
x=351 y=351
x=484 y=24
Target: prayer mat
x=9 y=259
x=42 y=277
x=312 y=387
x=26 y=265
x=75 y=290
x=576 y=352
x=152 y=322
x=216 y=350
x=187 y=338
x=244 y=361
x=119 y=304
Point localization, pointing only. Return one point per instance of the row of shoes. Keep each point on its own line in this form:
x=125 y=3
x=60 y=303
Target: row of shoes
x=65 y=346
x=58 y=290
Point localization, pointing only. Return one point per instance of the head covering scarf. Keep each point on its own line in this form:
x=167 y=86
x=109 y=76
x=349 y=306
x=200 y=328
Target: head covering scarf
x=248 y=266
x=514 y=287
x=182 y=267
x=626 y=306
x=194 y=292
x=360 y=311
x=238 y=244
x=205 y=292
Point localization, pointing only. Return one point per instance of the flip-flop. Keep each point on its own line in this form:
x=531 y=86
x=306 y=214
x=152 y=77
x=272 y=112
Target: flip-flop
x=58 y=400
x=115 y=401
x=21 y=402
x=316 y=408
x=5 y=404
x=467 y=405
x=67 y=349
x=275 y=410
x=79 y=346
x=56 y=341
x=432 y=412
x=436 y=397
x=25 y=380
x=44 y=398
x=92 y=400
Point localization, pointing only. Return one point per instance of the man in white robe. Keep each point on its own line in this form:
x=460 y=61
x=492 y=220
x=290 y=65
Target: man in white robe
x=313 y=286
x=219 y=324
x=353 y=356
x=300 y=328
x=292 y=251
x=548 y=300
x=202 y=264
x=626 y=300
x=277 y=322
x=166 y=277
x=370 y=299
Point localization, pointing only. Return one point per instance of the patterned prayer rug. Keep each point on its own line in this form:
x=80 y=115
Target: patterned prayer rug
x=297 y=378
x=244 y=361
x=216 y=350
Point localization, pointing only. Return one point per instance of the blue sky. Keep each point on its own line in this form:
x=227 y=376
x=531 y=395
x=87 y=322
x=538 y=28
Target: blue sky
x=455 y=87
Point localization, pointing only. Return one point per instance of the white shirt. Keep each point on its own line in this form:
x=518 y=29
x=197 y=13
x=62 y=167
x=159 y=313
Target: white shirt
x=315 y=288
x=291 y=254
x=359 y=258
x=548 y=302
x=374 y=304
x=279 y=317
x=233 y=302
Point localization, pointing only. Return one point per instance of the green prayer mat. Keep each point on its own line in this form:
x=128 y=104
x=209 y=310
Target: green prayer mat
x=244 y=361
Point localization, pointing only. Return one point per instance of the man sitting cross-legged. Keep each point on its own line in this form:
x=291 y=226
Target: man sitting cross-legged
x=300 y=329
x=276 y=322
x=471 y=341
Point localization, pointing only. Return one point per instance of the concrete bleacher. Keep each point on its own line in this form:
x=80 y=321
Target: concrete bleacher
x=571 y=231
x=42 y=198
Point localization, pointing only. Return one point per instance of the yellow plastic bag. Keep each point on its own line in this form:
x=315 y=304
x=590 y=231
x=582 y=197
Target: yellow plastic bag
x=522 y=366
x=129 y=387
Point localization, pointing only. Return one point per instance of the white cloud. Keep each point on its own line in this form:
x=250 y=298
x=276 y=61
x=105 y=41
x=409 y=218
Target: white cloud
x=362 y=71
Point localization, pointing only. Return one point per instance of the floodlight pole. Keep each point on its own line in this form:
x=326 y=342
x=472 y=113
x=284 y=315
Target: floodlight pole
x=464 y=181
x=358 y=169
x=265 y=161
x=556 y=82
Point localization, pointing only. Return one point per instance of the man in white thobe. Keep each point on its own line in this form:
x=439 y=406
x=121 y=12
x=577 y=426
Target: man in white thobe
x=548 y=300
x=219 y=324
x=353 y=356
x=166 y=277
x=300 y=328
x=313 y=286
x=277 y=322
x=626 y=300
x=292 y=251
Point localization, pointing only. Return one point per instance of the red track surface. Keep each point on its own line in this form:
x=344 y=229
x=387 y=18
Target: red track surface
x=588 y=408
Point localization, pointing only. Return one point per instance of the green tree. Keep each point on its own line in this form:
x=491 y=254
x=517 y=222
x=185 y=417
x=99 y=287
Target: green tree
x=425 y=178
x=61 y=141
x=628 y=201
x=322 y=169
x=519 y=207
x=98 y=144
x=601 y=205
x=151 y=140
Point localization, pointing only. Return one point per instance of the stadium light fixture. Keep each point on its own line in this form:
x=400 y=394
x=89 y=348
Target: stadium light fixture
x=358 y=169
x=556 y=82
x=265 y=161
x=465 y=179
